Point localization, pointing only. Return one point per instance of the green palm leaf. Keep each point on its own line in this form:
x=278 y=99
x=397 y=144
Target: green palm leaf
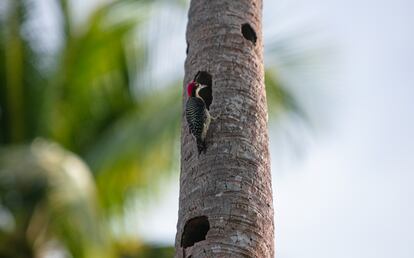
x=52 y=196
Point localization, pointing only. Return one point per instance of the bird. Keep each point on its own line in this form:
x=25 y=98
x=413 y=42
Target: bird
x=197 y=115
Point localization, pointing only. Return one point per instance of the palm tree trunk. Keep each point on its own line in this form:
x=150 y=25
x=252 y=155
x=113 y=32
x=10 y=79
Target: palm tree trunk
x=225 y=205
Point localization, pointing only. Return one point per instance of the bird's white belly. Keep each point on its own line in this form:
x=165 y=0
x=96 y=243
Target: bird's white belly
x=206 y=126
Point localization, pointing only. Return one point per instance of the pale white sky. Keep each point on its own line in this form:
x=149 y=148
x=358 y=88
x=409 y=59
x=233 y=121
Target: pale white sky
x=352 y=195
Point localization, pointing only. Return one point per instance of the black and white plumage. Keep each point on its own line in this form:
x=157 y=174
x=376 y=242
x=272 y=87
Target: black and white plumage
x=197 y=116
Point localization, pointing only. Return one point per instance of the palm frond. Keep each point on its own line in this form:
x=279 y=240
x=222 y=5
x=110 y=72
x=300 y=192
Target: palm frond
x=51 y=194
x=280 y=99
x=138 y=149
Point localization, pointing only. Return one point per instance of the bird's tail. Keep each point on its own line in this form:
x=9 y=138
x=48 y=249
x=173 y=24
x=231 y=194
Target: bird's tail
x=201 y=146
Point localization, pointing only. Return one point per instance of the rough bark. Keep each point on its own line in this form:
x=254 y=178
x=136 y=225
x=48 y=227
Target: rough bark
x=225 y=207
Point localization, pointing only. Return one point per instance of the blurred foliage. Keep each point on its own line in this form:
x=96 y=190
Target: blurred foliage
x=78 y=107
x=84 y=100
x=51 y=194
x=279 y=99
x=131 y=250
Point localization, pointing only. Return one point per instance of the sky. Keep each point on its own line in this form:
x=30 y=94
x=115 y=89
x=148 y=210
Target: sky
x=346 y=189
x=351 y=193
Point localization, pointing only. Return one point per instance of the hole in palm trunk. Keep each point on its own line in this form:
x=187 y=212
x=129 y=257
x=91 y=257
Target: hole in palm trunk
x=188 y=46
x=195 y=230
x=249 y=33
x=204 y=78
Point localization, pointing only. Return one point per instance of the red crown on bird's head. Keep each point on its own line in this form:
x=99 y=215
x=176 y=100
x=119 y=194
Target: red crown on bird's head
x=190 y=87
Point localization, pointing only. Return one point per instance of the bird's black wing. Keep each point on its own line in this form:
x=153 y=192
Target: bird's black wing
x=195 y=116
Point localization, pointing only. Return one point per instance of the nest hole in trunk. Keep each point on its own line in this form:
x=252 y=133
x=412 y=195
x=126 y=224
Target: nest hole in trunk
x=204 y=78
x=195 y=230
x=249 y=33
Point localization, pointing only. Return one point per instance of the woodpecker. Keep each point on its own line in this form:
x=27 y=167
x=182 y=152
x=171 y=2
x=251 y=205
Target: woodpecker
x=197 y=116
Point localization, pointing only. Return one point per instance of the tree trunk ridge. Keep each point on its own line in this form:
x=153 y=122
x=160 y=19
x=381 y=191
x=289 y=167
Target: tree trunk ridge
x=226 y=207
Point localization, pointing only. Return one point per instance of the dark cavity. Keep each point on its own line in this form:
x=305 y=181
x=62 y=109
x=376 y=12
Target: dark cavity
x=195 y=230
